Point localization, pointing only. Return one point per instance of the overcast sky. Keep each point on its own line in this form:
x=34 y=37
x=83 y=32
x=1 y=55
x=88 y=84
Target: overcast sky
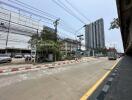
x=92 y=9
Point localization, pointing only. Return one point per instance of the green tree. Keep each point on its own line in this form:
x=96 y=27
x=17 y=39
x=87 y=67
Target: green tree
x=115 y=23
x=47 y=34
x=46 y=43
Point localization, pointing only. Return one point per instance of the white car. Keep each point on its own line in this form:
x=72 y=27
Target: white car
x=27 y=55
x=18 y=56
x=4 y=58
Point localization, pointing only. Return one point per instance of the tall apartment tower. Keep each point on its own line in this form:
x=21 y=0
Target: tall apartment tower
x=94 y=35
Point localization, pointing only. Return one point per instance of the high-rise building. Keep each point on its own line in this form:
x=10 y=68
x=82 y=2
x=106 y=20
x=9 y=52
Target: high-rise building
x=94 y=35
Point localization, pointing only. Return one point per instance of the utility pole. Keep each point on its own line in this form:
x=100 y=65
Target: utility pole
x=79 y=36
x=80 y=40
x=79 y=30
x=8 y=32
x=56 y=22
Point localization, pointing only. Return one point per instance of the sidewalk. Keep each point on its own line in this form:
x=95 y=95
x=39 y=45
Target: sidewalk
x=11 y=69
x=121 y=88
x=17 y=65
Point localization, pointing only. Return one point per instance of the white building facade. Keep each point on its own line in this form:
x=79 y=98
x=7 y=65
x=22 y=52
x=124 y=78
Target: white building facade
x=16 y=30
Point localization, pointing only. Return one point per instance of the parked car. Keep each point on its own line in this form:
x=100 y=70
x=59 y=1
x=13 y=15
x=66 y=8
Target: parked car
x=4 y=58
x=27 y=55
x=18 y=56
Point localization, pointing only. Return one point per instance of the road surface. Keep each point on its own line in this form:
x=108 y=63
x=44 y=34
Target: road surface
x=67 y=82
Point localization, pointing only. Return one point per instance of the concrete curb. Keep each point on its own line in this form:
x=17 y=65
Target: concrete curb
x=107 y=86
x=90 y=91
x=15 y=70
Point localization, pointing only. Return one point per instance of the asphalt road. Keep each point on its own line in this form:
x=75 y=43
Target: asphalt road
x=67 y=82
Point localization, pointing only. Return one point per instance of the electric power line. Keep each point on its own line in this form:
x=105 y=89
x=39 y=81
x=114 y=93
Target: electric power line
x=79 y=12
x=70 y=11
x=32 y=8
x=24 y=16
x=26 y=12
x=65 y=35
x=66 y=30
x=63 y=6
x=30 y=27
x=27 y=6
x=65 y=24
x=9 y=5
x=79 y=29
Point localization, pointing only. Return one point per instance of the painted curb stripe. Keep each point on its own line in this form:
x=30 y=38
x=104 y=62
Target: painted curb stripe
x=30 y=68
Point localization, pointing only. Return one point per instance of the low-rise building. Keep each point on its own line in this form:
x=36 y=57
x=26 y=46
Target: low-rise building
x=69 y=45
